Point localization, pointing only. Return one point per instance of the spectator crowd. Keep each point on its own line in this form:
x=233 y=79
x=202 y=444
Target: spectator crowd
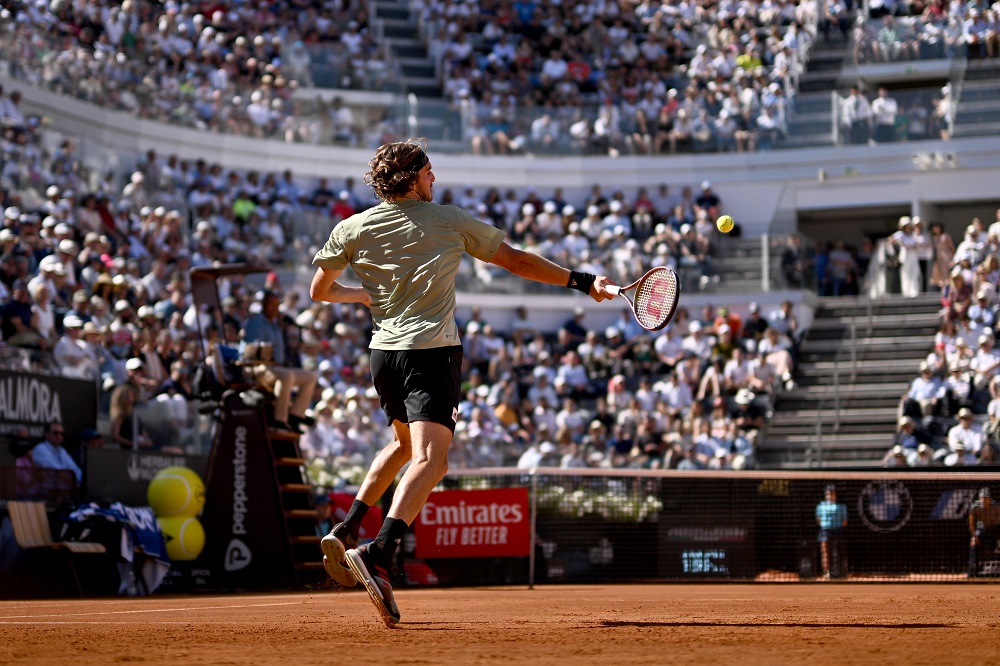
x=613 y=78
x=94 y=269
x=950 y=413
x=900 y=31
x=94 y=283
x=637 y=77
x=224 y=67
x=593 y=77
x=889 y=117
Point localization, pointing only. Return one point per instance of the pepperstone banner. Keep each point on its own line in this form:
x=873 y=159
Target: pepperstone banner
x=246 y=540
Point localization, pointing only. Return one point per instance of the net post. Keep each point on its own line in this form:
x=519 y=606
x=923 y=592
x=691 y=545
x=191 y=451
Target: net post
x=531 y=537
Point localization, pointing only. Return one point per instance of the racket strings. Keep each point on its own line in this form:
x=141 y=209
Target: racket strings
x=654 y=299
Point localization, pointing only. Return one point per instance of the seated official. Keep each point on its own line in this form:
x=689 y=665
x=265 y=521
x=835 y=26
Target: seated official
x=266 y=327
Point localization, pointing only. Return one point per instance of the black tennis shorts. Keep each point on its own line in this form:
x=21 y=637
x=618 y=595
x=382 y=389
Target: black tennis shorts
x=419 y=384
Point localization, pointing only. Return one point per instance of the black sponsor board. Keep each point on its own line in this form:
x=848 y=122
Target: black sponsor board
x=123 y=475
x=33 y=401
x=704 y=536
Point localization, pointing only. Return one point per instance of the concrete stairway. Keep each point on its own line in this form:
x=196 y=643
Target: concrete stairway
x=737 y=266
x=810 y=123
x=399 y=29
x=866 y=378
x=978 y=99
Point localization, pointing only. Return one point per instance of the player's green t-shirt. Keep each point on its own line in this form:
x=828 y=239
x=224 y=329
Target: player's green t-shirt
x=406 y=254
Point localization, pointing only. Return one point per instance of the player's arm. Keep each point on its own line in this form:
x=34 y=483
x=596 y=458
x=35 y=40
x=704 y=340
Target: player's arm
x=534 y=267
x=324 y=287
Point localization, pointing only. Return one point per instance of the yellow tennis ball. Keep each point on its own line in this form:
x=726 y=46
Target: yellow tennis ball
x=184 y=536
x=176 y=491
x=725 y=224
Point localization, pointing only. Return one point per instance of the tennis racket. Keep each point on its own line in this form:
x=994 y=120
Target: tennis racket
x=654 y=297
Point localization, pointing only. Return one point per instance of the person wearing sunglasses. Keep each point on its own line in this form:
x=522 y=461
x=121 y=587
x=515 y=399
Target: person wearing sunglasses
x=51 y=454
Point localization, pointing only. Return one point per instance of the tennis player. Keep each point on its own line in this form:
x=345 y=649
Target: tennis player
x=406 y=252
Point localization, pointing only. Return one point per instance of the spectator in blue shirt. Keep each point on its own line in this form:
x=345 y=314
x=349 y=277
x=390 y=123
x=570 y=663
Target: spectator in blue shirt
x=50 y=453
x=832 y=519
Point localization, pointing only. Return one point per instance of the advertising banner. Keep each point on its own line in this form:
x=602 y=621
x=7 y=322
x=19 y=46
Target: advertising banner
x=370 y=525
x=245 y=528
x=34 y=401
x=474 y=523
x=123 y=475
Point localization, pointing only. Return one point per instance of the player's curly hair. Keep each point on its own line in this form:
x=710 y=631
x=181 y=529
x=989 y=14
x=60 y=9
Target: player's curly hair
x=393 y=169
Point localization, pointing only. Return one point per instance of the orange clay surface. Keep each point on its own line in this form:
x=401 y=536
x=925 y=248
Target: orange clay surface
x=771 y=624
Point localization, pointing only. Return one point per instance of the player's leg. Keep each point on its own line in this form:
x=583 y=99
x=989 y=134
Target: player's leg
x=429 y=463
x=824 y=554
x=432 y=386
x=386 y=466
x=344 y=535
x=389 y=382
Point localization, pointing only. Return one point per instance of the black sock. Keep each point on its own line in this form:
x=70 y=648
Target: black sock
x=385 y=544
x=354 y=517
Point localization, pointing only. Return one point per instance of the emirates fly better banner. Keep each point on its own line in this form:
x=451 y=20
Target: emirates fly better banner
x=474 y=523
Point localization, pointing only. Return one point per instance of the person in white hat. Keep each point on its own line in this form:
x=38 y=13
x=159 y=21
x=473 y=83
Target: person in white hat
x=708 y=200
x=697 y=342
x=965 y=439
x=747 y=415
x=317 y=442
x=46 y=274
x=926 y=391
x=986 y=362
x=69 y=353
x=67 y=251
x=896 y=457
x=135 y=371
x=43 y=315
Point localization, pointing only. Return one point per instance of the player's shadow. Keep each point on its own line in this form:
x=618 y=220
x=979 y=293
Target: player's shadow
x=811 y=625
x=426 y=626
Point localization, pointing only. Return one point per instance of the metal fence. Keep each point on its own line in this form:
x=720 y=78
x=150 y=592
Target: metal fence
x=621 y=526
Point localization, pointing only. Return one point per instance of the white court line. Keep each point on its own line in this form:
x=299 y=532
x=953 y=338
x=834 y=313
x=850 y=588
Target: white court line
x=31 y=623
x=151 y=610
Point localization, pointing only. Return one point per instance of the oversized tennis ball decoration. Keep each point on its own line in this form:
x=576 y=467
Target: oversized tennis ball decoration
x=725 y=224
x=184 y=537
x=176 y=491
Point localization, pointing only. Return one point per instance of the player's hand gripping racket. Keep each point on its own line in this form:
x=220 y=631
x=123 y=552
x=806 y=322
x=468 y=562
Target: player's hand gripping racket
x=654 y=297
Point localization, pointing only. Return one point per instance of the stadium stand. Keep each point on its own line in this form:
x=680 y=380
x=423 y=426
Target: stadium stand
x=114 y=248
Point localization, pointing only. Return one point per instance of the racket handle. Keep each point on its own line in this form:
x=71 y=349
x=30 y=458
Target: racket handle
x=614 y=290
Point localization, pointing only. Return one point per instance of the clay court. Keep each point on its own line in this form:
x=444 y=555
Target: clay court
x=638 y=624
